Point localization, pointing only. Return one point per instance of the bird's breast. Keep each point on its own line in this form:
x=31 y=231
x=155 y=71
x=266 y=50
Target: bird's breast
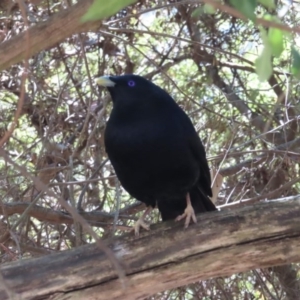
x=150 y=158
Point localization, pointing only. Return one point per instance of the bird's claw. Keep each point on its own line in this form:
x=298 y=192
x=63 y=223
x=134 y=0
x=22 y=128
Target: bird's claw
x=140 y=223
x=188 y=214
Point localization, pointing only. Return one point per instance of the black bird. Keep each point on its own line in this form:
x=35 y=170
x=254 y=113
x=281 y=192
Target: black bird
x=155 y=150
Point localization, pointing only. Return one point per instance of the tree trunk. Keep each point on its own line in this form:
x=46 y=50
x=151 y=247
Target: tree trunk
x=221 y=243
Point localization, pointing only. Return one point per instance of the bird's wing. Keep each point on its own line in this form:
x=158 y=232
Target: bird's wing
x=200 y=155
x=198 y=152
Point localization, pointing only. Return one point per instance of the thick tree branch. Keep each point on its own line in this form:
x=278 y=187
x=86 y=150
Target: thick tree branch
x=221 y=243
x=45 y=34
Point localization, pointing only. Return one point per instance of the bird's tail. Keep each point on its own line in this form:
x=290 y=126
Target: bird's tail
x=172 y=208
x=200 y=201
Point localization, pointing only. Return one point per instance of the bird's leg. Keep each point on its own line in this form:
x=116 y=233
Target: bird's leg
x=188 y=213
x=141 y=223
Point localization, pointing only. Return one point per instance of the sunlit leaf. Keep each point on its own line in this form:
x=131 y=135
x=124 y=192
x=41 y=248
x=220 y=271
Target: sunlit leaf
x=295 y=62
x=102 y=9
x=275 y=37
x=246 y=7
x=209 y=9
x=197 y=12
x=267 y=3
x=263 y=64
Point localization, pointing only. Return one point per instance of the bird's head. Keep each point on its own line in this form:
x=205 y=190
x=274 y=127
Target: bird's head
x=127 y=90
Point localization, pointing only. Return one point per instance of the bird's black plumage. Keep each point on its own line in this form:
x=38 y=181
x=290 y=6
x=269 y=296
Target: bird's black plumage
x=154 y=148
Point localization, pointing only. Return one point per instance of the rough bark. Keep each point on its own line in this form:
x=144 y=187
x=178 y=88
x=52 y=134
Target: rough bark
x=45 y=34
x=221 y=243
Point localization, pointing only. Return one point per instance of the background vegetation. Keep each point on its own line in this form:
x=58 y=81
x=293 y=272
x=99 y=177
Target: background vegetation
x=235 y=77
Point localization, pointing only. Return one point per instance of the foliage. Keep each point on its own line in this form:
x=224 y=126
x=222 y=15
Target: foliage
x=237 y=79
x=101 y=9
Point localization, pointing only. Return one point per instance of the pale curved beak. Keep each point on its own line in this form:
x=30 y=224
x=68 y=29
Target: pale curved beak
x=105 y=81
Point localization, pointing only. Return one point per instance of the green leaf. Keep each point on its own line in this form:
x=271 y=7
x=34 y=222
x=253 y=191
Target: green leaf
x=209 y=9
x=275 y=37
x=263 y=64
x=296 y=62
x=102 y=9
x=267 y=3
x=264 y=36
x=197 y=12
x=246 y=7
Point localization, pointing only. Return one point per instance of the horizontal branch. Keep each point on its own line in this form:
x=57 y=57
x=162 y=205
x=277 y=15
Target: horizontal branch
x=45 y=34
x=95 y=218
x=221 y=243
x=292 y=145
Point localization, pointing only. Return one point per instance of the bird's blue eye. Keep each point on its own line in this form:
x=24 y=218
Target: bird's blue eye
x=131 y=83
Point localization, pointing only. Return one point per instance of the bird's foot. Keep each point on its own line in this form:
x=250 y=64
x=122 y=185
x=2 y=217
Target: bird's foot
x=188 y=214
x=140 y=223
